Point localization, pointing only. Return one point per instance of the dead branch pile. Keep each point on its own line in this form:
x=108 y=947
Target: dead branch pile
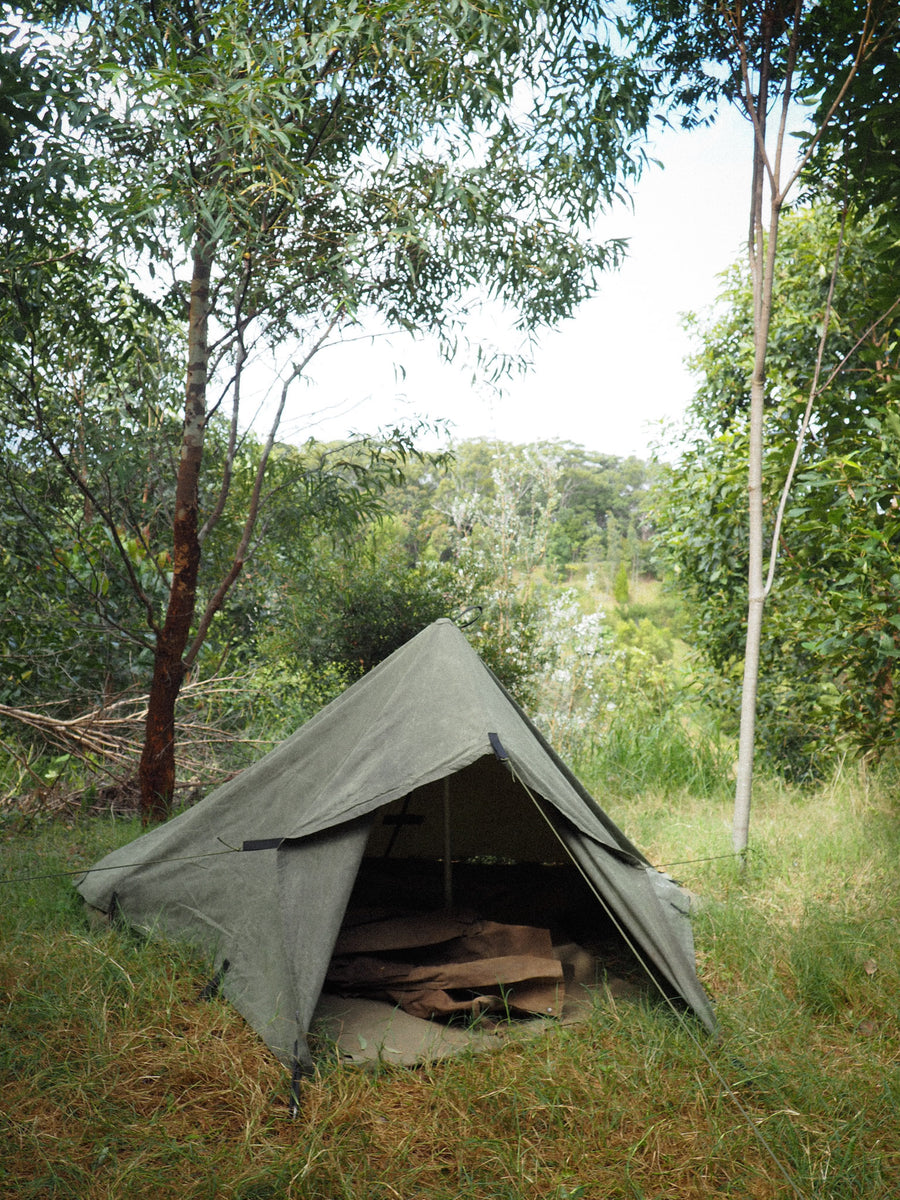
x=105 y=743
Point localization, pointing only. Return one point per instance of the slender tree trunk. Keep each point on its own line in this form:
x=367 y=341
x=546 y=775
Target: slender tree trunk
x=763 y=255
x=762 y=263
x=756 y=602
x=157 y=768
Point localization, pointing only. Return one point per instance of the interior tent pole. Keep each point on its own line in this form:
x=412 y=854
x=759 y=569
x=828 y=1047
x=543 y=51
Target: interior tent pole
x=448 y=862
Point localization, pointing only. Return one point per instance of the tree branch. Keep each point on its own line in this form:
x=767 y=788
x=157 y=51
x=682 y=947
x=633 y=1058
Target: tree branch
x=90 y=495
x=807 y=415
x=253 y=509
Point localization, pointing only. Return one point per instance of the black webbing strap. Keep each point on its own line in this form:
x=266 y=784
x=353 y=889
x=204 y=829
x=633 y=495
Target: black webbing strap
x=497 y=747
x=115 y=914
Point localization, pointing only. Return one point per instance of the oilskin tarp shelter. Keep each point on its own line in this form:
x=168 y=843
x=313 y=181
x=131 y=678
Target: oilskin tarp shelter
x=420 y=809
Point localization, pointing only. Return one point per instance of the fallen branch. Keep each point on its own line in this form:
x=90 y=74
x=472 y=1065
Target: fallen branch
x=107 y=742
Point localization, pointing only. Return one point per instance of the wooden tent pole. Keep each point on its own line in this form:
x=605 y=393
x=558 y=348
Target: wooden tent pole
x=448 y=863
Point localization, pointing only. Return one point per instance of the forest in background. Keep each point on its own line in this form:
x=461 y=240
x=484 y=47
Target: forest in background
x=542 y=553
x=604 y=592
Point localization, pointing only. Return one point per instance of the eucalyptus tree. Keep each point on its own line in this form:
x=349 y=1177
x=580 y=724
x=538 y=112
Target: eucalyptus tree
x=829 y=646
x=298 y=170
x=758 y=56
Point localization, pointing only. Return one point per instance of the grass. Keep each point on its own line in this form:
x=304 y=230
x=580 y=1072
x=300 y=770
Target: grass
x=115 y=1080
x=646 y=739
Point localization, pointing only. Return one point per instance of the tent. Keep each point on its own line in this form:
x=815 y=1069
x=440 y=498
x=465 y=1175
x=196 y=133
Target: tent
x=410 y=795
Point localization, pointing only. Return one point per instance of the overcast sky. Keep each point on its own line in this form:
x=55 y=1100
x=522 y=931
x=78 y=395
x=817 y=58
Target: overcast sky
x=609 y=378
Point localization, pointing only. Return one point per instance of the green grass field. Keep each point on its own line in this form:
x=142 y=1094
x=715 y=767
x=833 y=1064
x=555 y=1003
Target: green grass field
x=118 y=1082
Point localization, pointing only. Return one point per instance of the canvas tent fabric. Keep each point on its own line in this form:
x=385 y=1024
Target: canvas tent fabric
x=425 y=752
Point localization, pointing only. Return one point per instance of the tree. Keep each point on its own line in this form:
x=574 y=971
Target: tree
x=830 y=643
x=80 y=347
x=755 y=56
x=376 y=163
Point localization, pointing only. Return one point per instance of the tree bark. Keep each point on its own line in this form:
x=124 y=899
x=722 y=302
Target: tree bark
x=157 y=767
x=763 y=283
x=755 y=605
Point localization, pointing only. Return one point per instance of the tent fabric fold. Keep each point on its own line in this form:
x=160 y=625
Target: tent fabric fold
x=410 y=741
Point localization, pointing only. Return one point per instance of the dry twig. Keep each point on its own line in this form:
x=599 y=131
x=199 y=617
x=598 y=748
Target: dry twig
x=107 y=740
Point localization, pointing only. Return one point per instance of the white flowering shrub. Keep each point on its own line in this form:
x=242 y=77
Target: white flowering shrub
x=575 y=688
x=501 y=540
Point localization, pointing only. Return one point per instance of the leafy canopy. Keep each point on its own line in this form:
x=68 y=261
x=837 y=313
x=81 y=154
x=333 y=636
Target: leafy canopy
x=386 y=159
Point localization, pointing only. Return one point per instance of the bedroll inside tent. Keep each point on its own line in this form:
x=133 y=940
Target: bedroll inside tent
x=416 y=850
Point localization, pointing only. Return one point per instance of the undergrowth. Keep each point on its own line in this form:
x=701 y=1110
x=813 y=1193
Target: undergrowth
x=117 y=1080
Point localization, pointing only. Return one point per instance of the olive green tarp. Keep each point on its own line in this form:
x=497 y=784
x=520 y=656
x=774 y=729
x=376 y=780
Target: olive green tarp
x=426 y=758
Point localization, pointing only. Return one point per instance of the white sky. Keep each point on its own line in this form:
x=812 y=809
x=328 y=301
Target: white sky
x=607 y=379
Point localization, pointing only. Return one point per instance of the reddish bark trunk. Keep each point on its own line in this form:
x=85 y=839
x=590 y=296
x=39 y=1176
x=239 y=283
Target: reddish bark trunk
x=157 y=768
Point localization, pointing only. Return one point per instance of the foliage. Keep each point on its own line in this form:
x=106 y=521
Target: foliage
x=86 y=426
x=361 y=609
x=598 y=497
x=80 y=572
x=321 y=502
x=757 y=57
x=579 y=658
x=502 y=538
x=370 y=156
x=652 y=736
x=374 y=595
x=829 y=645
x=470 y=537
x=77 y=341
x=45 y=115
x=857 y=156
x=353 y=557
x=695 y=50
x=620 y=584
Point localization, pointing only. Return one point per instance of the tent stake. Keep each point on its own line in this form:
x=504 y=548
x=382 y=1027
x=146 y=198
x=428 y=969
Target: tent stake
x=448 y=864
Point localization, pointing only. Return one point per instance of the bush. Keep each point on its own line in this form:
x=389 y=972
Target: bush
x=620 y=584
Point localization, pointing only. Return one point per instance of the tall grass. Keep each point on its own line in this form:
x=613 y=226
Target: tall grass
x=645 y=739
x=116 y=1080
